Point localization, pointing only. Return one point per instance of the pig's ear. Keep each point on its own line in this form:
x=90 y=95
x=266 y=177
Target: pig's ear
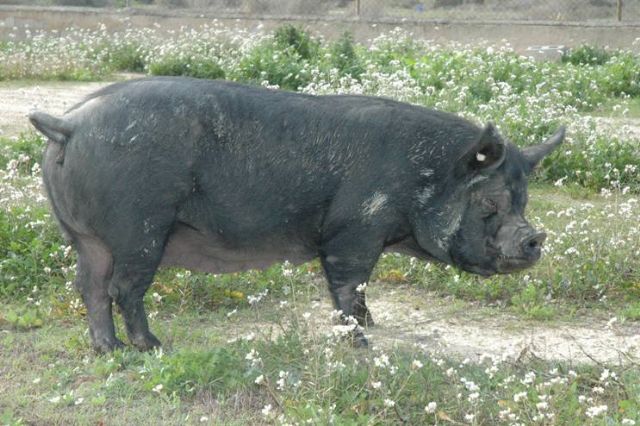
x=487 y=153
x=535 y=154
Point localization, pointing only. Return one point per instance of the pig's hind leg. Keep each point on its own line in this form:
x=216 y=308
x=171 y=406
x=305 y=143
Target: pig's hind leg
x=129 y=283
x=92 y=278
x=135 y=261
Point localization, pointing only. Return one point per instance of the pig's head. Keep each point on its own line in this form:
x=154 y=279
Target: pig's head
x=475 y=220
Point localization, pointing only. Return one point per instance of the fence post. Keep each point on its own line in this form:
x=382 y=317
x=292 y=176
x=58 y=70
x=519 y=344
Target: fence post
x=358 y=8
x=619 y=10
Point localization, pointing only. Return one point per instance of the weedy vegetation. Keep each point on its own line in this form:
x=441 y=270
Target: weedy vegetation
x=256 y=347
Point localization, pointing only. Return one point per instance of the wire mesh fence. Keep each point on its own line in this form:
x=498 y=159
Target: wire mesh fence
x=538 y=10
x=594 y=11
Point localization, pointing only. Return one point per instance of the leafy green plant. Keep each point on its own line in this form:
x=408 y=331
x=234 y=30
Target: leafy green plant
x=344 y=56
x=7 y=418
x=621 y=75
x=32 y=252
x=587 y=55
x=297 y=39
x=127 y=57
x=531 y=301
x=632 y=312
x=175 y=66
x=185 y=372
x=27 y=149
x=594 y=163
x=274 y=64
x=25 y=318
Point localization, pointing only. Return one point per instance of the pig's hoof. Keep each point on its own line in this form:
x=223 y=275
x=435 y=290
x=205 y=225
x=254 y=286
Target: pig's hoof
x=145 y=342
x=105 y=346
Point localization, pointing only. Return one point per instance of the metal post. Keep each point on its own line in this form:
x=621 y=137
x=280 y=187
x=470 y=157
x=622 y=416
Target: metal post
x=619 y=10
x=358 y=8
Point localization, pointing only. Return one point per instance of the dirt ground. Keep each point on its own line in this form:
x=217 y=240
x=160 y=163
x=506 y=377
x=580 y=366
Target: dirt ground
x=404 y=315
x=18 y=99
x=472 y=332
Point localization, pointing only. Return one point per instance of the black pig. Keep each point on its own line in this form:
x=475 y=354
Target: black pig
x=220 y=177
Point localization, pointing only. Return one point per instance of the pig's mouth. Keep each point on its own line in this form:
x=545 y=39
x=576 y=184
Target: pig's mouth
x=503 y=265
x=508 y=264
x=479 y=270
x=493 y=262
x=486 y=269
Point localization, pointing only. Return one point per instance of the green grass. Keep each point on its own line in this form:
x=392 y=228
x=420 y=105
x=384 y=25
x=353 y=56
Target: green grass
x=634 y=107
x=206 y=373
x=613 y=107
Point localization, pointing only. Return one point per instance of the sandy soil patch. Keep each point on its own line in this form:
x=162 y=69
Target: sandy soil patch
x=18 y=99
x=474 y=332
x=629 y=127
x=406 y=316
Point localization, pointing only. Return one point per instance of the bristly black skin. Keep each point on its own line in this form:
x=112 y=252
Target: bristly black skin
x=220 y=177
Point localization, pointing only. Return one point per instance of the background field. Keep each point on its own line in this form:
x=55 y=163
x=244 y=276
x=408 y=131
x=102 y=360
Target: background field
x=558 y=344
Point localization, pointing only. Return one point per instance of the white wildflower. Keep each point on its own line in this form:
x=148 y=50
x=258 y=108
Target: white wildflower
x=541 y=406
x=596 y=410
x=519 y=396
x=266 y=410
x=416 y=364
x=560 y=181
x=431 y=407
x=382 y=361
